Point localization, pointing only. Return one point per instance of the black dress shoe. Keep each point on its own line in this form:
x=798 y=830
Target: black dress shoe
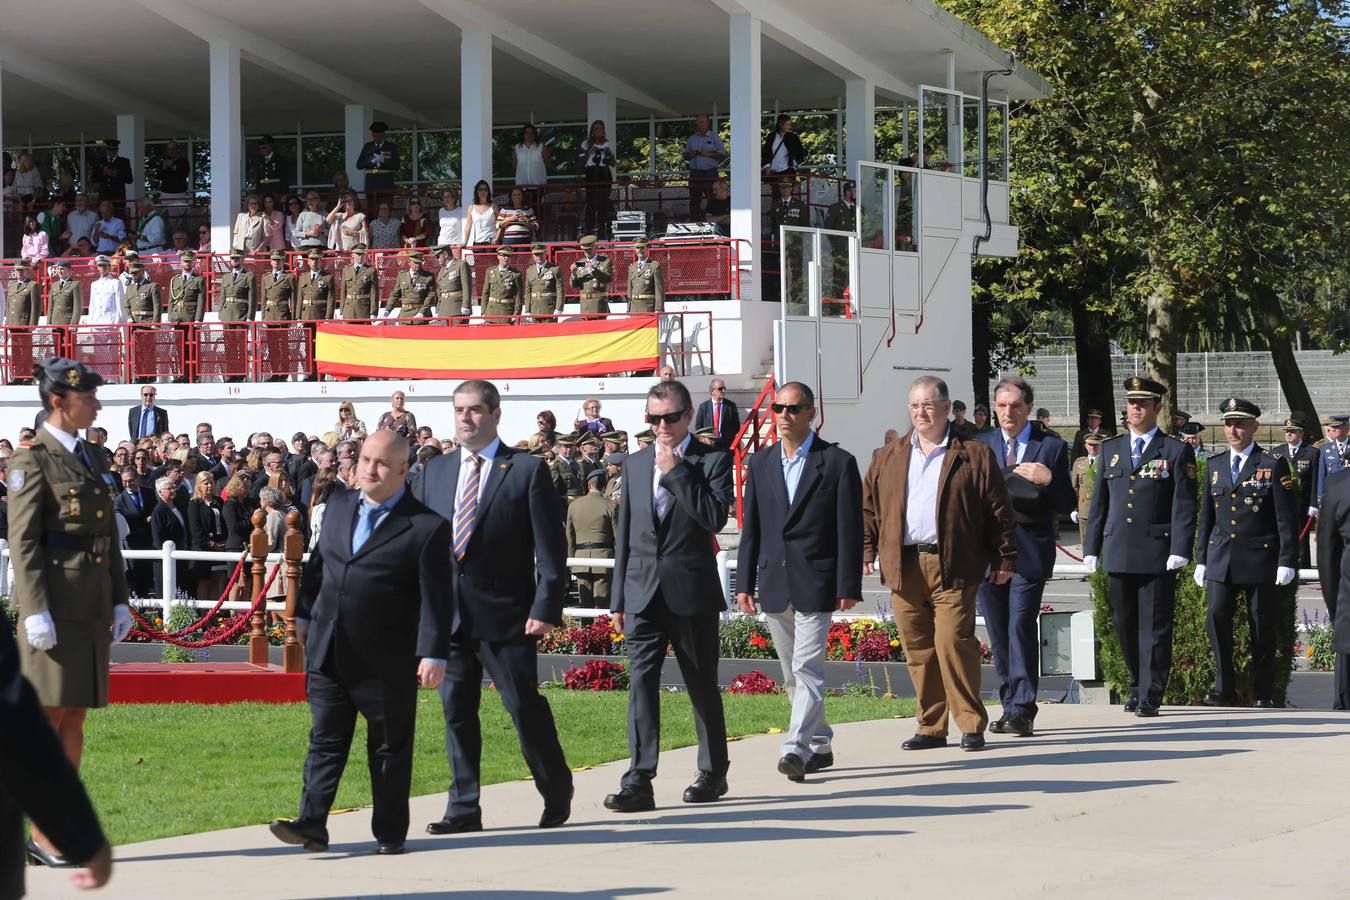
x=313 y=838
x=630 y=800
x=996 y=726
x=924 y=742
x=389 y=848
x=40 y=856
x=1020 y=725
x=1146 y=710
x=557 y=815
x=455 y=826
x=1265 y=704
x=707 y=788
x=793 y=766
x=1131 y=704
x=1214 y=698
x=973 y=740
x=819 y=761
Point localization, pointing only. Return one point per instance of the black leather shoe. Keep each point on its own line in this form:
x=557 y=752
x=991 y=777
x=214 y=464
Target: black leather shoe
x=1020 y=725
x=39 y=856
x=819 y=761
x=793 y=766
x=557 y=815
x=1265 y=704
x=1131 y=704
x=313 y=838
x=455 y=826
x=707 y=788
x=389 y=848
x=630 y=800
x=924 y=742
x=1214 y=698
x=1146 y=710
x=972 y=741
x=996 y=726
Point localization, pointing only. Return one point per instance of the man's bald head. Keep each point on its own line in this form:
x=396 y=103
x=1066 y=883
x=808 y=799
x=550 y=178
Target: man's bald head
x=382 y=465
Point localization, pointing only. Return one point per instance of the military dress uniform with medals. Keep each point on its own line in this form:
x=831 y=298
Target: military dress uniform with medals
x=187 y=304
x=316 y=293
x=1331 y=455
x=65 y=302
x=278 y=293
x=360 y=287
x=592 y=276
x=1143 y=515
x=1303 y=467
x=235 y=304
x=144 y=301
x=543 y=289
x=413 y=291
x=1084 y=478
x=454 y=283
x=502 y=292
x=569 y=475
x=646 y=284
x=1248 y=532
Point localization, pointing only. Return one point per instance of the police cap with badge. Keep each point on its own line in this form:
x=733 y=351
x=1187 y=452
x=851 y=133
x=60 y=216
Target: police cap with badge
x=1235 y=409
x=1137 y=388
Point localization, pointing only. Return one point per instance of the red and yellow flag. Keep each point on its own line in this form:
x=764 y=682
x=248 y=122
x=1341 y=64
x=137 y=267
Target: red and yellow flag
x=551 y=350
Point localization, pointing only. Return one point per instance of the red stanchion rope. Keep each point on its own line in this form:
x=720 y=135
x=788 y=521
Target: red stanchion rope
x=229 y=632
x=1068 y=554
x=234 y=577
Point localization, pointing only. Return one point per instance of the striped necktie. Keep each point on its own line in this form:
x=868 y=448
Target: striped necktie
x=468 y=506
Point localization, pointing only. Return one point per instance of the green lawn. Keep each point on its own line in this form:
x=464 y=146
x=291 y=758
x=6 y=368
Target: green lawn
x=158 y=771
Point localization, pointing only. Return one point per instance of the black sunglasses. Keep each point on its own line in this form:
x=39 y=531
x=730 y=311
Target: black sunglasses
x=668 y=418
x=793 y=408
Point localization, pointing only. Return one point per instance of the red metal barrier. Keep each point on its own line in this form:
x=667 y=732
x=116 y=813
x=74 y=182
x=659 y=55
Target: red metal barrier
x=102 y=348
x=692 y=268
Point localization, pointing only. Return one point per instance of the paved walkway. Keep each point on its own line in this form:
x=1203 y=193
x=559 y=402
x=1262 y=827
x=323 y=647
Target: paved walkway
x=1196 y=804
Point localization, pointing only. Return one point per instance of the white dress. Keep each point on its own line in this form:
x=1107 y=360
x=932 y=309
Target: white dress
x=451 y=222
x=530 y=164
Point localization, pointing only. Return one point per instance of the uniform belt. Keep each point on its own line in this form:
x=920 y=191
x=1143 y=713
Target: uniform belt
x=378 y=171
x=642 y=297
x=595 y=546
x=62 y=541
x=269 y=181
x=922 y=548
x=591 y=295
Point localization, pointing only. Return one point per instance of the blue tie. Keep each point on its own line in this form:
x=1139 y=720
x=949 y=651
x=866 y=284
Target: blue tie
x=365 y=524
x=1138 y=453
x=1237 y=467
x=147 y=417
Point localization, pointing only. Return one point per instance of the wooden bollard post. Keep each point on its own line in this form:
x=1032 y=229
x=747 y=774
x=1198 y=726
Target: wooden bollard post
x=258 y=547
x=293 y=545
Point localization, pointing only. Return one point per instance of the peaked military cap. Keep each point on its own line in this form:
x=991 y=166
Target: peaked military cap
x=706 y=432
x=1335 y=421
x=59 y=375
x=1137 y=388
x=278 y=255
x=414 y=254
x=645 y=434
x=641 y=242
x=187 y=255
x=567 y=440
x=588 y=240
x=136 y=267
x=315 y=254
x=237 y=254
x=22 y=263
x=1293 y=424
x=102 y=260
x=267 y=139
x=1237 y=408
x=589 y=440
x=378 y=127
x=1192 y=428
x=1095 y=412
x=358 y=248
x=113 y=143
x=1092 y=439
x=539 y=248
x=503 y=250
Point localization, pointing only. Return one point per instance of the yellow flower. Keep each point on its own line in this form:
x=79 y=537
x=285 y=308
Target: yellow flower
x=895 y=643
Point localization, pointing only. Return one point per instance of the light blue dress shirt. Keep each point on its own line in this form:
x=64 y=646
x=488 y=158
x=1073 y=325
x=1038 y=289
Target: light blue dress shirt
x=1022 y=437
x=793 y=465
x=921 y=492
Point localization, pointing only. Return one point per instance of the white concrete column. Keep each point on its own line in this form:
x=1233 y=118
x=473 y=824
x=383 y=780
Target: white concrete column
x=227 y=141
x=860 y=107
x=131 y=144
x=746 y=211
x=602 y=106
x=356 y=127
x=475 y=105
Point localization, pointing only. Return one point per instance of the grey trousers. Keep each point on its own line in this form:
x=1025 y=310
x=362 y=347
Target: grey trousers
x=800 y=641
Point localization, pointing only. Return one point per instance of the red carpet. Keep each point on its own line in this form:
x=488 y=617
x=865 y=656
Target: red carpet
x=204 y=682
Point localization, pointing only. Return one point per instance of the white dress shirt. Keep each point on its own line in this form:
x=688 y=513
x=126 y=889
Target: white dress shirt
x=487 y=455
x=1240 y=456
x=1147 y=436
x=662 y=498
x=68 y=440
x=107 y=297
x=921 y=491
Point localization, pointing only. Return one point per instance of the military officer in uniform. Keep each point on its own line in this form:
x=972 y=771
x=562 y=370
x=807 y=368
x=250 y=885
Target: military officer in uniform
x=1141 y=528
x=65 y=297
x=613 y=442
x=1193 y=435
x=591 y=275
x=413 y=290
x=591 y=525
x=1331 y=454
x=614 y=476
x=502 y=291
x=787 y=209
x=543 y=287
x=69 y=582
x=144 y=302
x=843 y=216
x=270 y=170
x=645 y=438
x=568 y=475
x=187 y=303
x=315 y=290
x=379 y=160
x=360 y=287
x=454 y=284
x=236 y=291
x=646 y=281
x=1084 y=477
x=1095 y=425
x=589 y=445
x=23 y=307
x=1302 y=459
x=1248 y=543
x=278 y=291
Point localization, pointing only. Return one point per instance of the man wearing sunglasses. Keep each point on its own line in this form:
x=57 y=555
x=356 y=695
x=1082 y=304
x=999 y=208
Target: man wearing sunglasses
x=666 y=591
x=147 y=420
x=720 y=414
x=801 y=546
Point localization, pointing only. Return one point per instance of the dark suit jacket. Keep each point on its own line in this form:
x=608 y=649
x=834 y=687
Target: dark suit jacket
x=1036 y=508
x=164 y=526
x=808 y=554
x=134 y=421
x=731 y=421
x=1147 y=517
x=238 y=524
x=515 y=565
x=674 y=555
x=138 y=525
x=1333 y=563
x=1248 y=529
x=214 y=465
x=202 y=528
x=388 y=604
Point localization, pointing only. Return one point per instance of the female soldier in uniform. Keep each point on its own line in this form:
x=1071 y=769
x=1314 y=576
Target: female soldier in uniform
x=69 y=581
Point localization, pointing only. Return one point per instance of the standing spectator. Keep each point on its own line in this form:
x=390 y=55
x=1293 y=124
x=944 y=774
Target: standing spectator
x=274 y=223
x=450 y=219
x=203 y=240
x=705 y=151
x=379 y=160
x=384 y=230
x=482 y=215
x=206 y=532
x=349 y=427
x=398 y=419
x=719 y=414
x=235 y=515
x=113 y=173
x=250 y=227
x=346 y=226
x=271 y=501
x=324 y=483
x=53 y=222
x=29 y=185
x=109 y=231
x=934 y=562
x=270 y=172
x=310 y=226
x=148 y=419
x=173 y=174
x=591 y=525
x=35 y=244
x=548 y=429
x=107 y=297
x=782 y=152
x=597 y=154
x=516 y=223
x=167 y=523
x=151 y=231
x=135 y=503
x=80 y=222
x=718 y=210
x=531 y=160
x=418 y=228
x=294 y=208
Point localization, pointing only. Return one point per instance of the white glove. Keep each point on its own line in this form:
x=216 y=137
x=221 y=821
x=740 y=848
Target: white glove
x=1175 y=562
x=1312 y=511
x=1090 y=562
x=121 y=626
x=1284 y=575
x=41 y=631
x=1073 y=517
x=1199 y=575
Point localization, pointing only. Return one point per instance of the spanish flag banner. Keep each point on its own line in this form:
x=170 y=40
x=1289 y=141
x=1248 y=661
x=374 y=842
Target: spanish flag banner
x=549 y=350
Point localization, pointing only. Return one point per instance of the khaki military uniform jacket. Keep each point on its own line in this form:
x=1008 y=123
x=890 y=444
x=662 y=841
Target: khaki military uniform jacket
x=543 y=290
x=569 y=479
x=502 y=293
x=454 y=289
x=316 y=296
x=67 y=562
x=591 y=526
x=278 y=296
x=614 y=489
x=65 y=302
x=236 y=296
x=412 y=294
x=143 y=301
x=1084 y=477
x=360 y=292
x=187 y=298
x=646 y=287
x=592 y=277
x=23 y=303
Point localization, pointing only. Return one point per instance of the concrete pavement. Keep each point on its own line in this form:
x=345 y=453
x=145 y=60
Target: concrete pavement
x=1196 y=804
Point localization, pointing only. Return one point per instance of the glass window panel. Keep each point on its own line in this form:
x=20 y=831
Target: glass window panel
x=872 y=189
x=325 y=159
x=970 y=131
x=941 y=131
x=798 y=253
x=906 y=213
x=836 y=295
x=996 y=121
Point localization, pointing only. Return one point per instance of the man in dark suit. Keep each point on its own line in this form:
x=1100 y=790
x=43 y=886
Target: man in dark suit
x=509 y=570
x=1302 y=460
x=1256 y=552
x=147 y=420
x=801 y=546
x=1333 y=565
x=719 y=414
x=374 y=614
x=205 y=459
x=136 y=502
x=667 y=591
x=1142 y=528
x=1036 y=472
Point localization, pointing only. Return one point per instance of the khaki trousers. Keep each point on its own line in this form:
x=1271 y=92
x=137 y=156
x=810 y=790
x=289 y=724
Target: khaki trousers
x=937 y=629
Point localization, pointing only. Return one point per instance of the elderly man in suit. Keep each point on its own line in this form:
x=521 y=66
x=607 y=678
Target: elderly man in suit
x=801 y=547
x=509 y=570
x=1333 y=565
x=147 y=420
x=374 y=616
x=938 y=519
x=719 y=414
x=1036 y=471
x=666 y=591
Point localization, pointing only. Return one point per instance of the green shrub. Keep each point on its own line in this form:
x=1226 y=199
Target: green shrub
x=1318 y=646
x=10 y=614
x=181 y=616
x=745 y=637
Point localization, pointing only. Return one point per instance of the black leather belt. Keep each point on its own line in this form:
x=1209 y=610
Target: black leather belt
x=595 y=546
x=922 y=548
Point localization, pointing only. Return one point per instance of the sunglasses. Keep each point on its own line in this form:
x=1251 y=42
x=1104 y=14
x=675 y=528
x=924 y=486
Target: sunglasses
x=791 y=408
x=668 y=418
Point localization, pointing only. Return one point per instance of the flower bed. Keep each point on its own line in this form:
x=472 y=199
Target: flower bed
x=753 y=682
x=597 y=675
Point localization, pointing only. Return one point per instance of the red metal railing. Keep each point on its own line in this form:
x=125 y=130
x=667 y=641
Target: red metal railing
x=751 y=438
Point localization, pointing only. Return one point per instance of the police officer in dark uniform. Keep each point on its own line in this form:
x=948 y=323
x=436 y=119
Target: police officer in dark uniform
x=69 y=582
x=270 y=170
x=379 y=160
x=1248 y=542
x=114 y=172
x=1141 y=529
x=1302 y=459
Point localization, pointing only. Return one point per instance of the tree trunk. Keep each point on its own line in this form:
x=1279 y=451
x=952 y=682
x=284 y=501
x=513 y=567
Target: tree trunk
x=1296 y=393
x=1092 y=346
x=1162 y=344
x=981 y=371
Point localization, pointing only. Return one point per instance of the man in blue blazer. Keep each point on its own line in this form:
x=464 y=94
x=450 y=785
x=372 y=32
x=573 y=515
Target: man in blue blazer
x=509 y=568
x=801 y=547
x=1036 y=470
